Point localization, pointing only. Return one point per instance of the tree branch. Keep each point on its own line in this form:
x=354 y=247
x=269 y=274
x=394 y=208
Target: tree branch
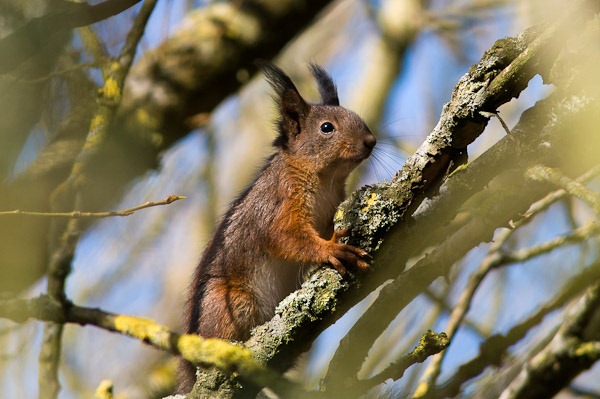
x=28 y=40
x=571 y=186
x=69 y=191
x=493 y=350
x=372 y=210
x=204 y=352
x=79 y=214
x=576 y=347
x=163 y=92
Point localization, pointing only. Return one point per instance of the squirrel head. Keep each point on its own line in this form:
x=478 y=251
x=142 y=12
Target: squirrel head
x=328 y=137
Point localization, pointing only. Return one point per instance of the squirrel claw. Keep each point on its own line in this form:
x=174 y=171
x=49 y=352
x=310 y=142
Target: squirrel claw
x=337 y=265
x=342 y=233
x=342 y=257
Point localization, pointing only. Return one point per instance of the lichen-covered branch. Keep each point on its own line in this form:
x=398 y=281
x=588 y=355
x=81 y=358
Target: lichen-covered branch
x=205 y=352
x=430 y=344
x=372 y=210
x=280 y=341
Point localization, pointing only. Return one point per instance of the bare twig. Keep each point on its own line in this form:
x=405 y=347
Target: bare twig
x=497 y=116
x=580 y=234
x=79 y=214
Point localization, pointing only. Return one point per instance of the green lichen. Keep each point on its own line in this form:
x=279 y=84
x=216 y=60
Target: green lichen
x=138 y=327
x=111 y=90
x=587 y=349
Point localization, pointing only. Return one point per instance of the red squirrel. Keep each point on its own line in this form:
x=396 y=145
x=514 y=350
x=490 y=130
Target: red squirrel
x=283 y=220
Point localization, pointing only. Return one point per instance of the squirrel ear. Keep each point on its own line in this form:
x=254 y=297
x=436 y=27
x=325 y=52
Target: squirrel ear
x=292 y=106
x=327 y=88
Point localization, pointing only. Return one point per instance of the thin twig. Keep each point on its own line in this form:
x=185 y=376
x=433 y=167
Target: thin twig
x=79 y=214
x=497 y=116
x=553 y=197
x=571 y=186
x=577 y=235
x=463 y=305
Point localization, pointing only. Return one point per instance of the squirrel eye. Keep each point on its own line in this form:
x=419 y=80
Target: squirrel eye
x=327 y=128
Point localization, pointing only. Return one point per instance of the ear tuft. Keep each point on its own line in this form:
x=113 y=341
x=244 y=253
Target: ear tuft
x=327 y=88
x=278 y=80
x=292 y=107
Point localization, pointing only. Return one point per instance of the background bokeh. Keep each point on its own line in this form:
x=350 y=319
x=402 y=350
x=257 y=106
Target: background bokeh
x=141 y=264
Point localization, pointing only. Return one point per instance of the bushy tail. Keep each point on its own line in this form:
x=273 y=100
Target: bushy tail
x=186 y=377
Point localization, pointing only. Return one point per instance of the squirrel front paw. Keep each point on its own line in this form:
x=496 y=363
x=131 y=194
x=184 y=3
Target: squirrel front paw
x=342 y=256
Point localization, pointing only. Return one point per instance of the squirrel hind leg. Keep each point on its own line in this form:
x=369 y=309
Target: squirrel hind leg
x=229 y=311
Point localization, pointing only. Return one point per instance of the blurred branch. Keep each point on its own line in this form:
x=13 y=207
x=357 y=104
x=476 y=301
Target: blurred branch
x=70 y=191
x=573 y=349
x=223 y=39
x=524 y=254
x=494 y=349
x=109 y=98
x=495 y=259
x=447 y=307
x=79 y=214
x=429 y=344
x=399 y=23
x=571 y=186
x=54 y=74
x=204 y=352
x=58 y=270
x=553 y=197
x=94 y=45
x=431 y=373
x=104 y=390
x=26 y=41
x=508 y=64
x=187 y=75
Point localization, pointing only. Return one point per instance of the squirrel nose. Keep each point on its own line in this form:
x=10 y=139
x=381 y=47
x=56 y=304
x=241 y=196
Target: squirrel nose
x=370 y=141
